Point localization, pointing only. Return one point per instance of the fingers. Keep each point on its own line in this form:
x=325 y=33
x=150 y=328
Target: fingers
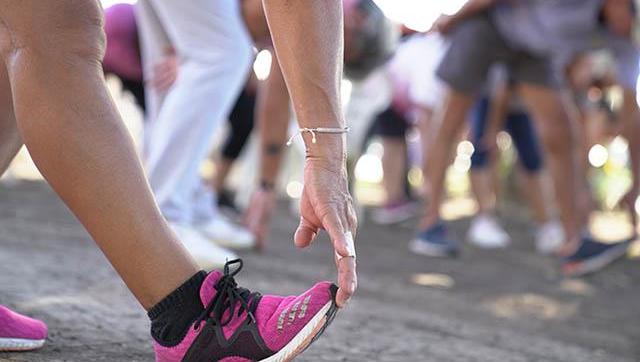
x=164 y=78
x=334 y=227
x=347 y=280
x=352 y=219
x=165 y=73
x=341 y=230
x=305 y=234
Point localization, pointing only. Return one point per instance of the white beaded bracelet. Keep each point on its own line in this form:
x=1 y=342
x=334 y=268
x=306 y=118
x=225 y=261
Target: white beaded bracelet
x=313 y=132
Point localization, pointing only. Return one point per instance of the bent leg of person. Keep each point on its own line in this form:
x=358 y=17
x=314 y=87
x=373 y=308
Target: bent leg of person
x=546 y=106
x=79 y=143
x=485 y=230
x=475 y=46
x=215 y=52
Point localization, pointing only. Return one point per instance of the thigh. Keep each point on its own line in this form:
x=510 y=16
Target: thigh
x=552 y=119
x=529 y=69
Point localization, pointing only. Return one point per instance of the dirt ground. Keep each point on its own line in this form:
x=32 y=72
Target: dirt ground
x=501 y=306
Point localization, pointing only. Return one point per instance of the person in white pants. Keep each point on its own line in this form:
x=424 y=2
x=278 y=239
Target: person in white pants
x=215 y=53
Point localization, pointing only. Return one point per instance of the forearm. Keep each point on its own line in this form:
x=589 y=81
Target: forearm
x=273 y=119
x=308 y=38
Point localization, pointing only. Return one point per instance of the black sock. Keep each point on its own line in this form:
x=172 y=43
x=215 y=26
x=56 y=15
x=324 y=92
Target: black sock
x=172 y=316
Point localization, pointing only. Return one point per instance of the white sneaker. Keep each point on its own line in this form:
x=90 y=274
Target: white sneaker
x=549 y=237
x=227 y=234
x=485 y=232
x=206 y=254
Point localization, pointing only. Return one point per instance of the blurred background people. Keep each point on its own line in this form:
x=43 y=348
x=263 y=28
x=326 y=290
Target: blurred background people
x=214 y=53
x=535 y=40
x=416 y=92
x=499 y=109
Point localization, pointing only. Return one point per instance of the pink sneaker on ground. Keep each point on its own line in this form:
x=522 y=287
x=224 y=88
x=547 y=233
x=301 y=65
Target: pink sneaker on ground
x=20 y=333
x=240 y=326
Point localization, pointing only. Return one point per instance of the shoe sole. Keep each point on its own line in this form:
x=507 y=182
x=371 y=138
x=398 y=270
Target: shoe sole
x=393 y=219
x=595 y=264
x=483 y=244
x=18 y=344
x=224 y=243
x=418 y=247
x=309 y=334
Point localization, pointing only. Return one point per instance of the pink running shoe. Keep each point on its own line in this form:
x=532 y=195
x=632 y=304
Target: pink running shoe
x=20 y=333
x=240 y=326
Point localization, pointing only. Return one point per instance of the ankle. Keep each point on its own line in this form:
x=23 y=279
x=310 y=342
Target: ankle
x=173 y=315
x=428 y=221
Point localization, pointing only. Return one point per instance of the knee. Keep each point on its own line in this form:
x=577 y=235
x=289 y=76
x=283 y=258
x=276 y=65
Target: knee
x=70 y=32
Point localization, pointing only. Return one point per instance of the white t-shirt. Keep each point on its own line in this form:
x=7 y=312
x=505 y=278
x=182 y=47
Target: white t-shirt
x=413 y=70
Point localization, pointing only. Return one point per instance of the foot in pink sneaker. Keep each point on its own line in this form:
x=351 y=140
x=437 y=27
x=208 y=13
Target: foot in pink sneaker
x=239 y=326
x=20 y=333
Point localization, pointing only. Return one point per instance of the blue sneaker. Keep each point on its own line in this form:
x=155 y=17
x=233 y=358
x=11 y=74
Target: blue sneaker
x=593 y=256
x=434 y=241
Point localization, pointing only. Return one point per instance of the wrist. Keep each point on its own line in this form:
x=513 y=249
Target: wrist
x=330 y=149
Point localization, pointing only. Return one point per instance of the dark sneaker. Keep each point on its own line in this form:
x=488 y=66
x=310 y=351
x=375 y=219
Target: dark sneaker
x=434 y=241
x=240 y=326
x=592 y=256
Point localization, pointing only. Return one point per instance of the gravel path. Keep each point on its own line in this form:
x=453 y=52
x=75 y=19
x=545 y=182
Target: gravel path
x=485 y=306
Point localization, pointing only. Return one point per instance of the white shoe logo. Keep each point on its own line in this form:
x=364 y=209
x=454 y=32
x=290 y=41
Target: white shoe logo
x=293 y=312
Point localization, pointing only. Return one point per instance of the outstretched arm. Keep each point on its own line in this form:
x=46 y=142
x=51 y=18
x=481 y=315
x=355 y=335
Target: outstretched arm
x=308 y=38
x=273 y=115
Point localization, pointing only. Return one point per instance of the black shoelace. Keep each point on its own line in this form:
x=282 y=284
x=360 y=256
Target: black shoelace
x=228 y=296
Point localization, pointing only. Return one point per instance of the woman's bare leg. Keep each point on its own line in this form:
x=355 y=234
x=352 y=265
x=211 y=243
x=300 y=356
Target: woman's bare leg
x=483 y=190
x=533 y=189
x=76 y=138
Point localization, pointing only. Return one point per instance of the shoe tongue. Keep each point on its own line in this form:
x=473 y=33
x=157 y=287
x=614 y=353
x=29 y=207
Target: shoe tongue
x=208 y=289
